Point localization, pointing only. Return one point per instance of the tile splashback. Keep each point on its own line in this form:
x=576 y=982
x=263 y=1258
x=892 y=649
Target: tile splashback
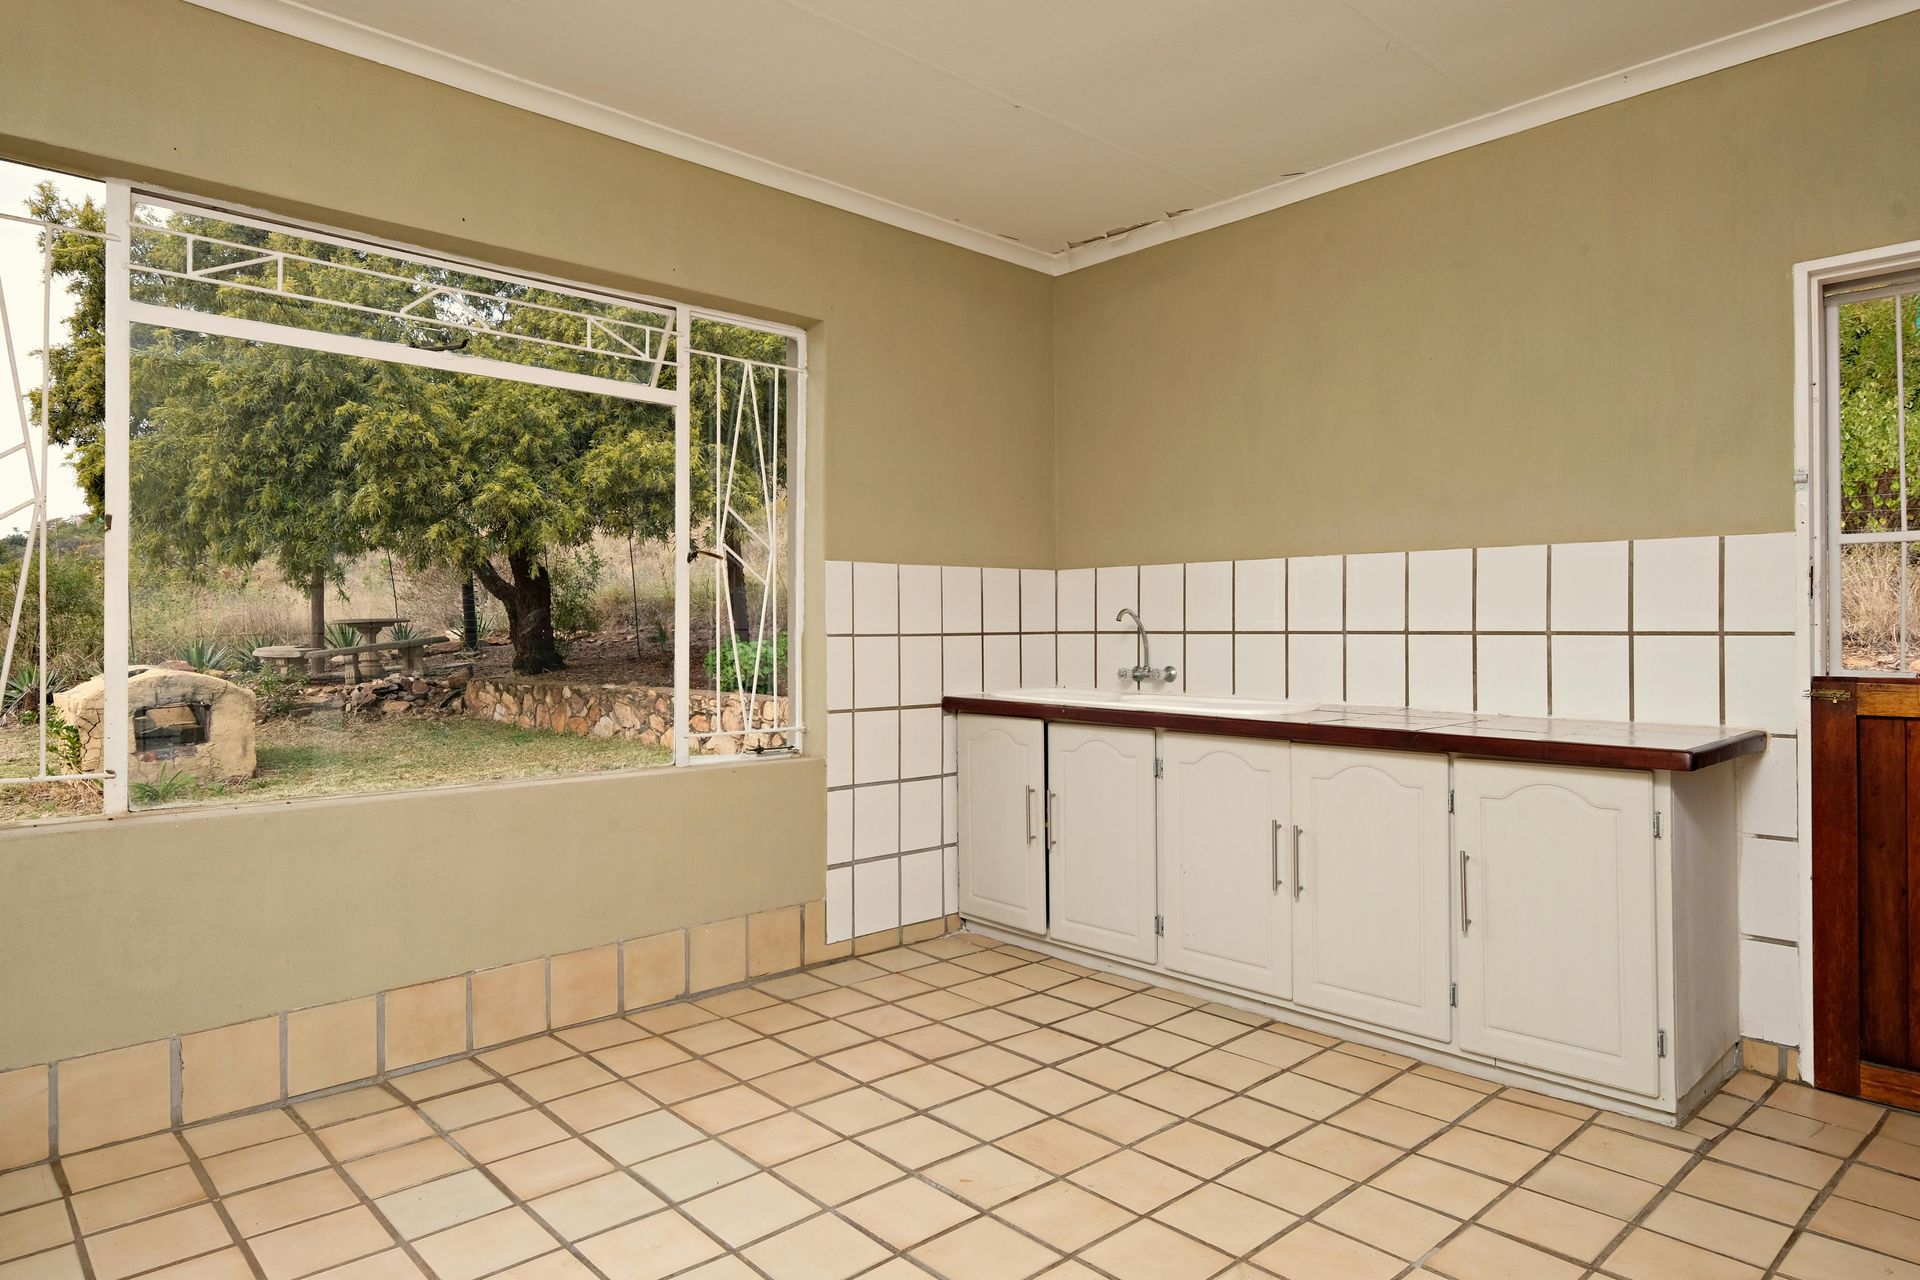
x=1683 y=630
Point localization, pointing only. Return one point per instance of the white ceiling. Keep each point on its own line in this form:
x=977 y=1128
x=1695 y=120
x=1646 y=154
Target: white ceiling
x=1026 y=127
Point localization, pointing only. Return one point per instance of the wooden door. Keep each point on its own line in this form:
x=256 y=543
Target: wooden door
x=1371 y=904
x=1100 y=822
x=1866 y=887
x=1558 y=937
x=1226 y=861
x=1003 y=861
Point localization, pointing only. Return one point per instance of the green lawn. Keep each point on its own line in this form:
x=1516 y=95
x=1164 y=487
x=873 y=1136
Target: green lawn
x=321 y=757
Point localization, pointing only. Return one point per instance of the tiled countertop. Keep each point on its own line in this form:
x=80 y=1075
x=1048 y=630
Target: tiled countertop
x=1604 y=744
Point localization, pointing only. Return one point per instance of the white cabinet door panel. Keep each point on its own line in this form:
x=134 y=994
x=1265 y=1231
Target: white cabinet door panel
x=1227 y=859
x=1371 y=919
x=1003 y=866
x=1100 y=819
x=1558 y=945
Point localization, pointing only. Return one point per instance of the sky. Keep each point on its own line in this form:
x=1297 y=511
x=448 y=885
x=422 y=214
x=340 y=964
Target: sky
x=20 y=263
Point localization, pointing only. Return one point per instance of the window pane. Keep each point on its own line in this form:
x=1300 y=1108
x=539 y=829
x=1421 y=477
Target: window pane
x=1870 y=605
x=1870 y=498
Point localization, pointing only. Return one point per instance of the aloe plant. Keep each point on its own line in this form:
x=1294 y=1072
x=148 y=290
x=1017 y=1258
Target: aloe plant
x=206 y=655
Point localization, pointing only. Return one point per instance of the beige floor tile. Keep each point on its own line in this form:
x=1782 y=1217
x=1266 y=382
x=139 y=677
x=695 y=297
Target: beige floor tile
x=1818 y=1258
x=320 y=1243
x=227 y=1264
x=1334 y=1149
x=127 y=1160
x=987 y=1115
x=1198 y=1150
x=1852 y=1113
x=26 y=1231
x=1719 y=1229
x=1624 y=1153
x=285 y=1203
x=598 y=1035
x=471 y=1106
x=916 y=1142
x=558 y=1079
x=641 y=1057
x=1438 y=1186
x=1554 y=1224
x=350 y=1105
x=1149 y=1251
x=1803 y=1131
x=655 y=1246
x=907 y=1212
x=485 y=1245
x=157 y=1241
x=1255 y=1122
x=681 y=1175
x=1135 y=1181
x=1397 y=1226
x=1226 y=1219
x=1109 y=1068
x=1051 y=1090
x=1303 y=1096
x=589 y=1208
x=377 y=1132
x=1429 y=1097
x=1897 y=1157
x=268 y=1162
x=221 y=1136
x=1592 y=1187
x=1057 y=1146
x=1880 y=1189
x=403 y=1167
x=142 y=1197
x=749 y=1209
x=597 y=1108
x=1227 y=1069
x=1479 y=1254
x=445 y=1202
x=1288 y=1184
x=1311 y=1252
x=986 y=1176
x=644 y=1137
x=32 y=1185
x=1777 y=1159
x=1063 y=1215
x=532 y=1174
x=984 y=1249
x=1120 y=1119
x=1485 y=1154
x=855 y=1111
x=1383 y=1122
x=797 y=1086
x=54 y=1264
x=1176 y=1094
x=1519 y=1123
x=833 y=1175
x=1647 y=1255
x=1345 y=1071
x=1871 y=1228
x=780 y=1138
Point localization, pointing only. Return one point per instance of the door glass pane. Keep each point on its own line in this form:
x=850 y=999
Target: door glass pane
x=1870 y=589
x=1870 y=490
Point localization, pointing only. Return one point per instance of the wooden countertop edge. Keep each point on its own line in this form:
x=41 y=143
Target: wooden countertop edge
x=1486 y=746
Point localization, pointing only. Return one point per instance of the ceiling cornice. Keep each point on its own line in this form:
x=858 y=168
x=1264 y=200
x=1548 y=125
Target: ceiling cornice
x=293 y=18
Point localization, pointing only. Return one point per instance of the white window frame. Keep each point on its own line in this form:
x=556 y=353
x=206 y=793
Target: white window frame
x=123 y=312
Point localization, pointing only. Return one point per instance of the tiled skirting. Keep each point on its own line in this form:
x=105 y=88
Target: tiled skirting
x=80 y=1103
x=1677 y=630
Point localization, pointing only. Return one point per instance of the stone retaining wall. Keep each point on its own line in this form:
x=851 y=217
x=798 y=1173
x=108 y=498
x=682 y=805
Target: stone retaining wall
x=638 y=712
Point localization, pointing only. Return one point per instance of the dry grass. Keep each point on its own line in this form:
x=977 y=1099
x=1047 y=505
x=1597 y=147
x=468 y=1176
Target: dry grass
x=1870 y=607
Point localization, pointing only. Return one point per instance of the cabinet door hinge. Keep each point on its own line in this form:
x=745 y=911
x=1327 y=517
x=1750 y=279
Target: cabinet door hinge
x=1453 y=995
x=1159 y=767
x=1656 y=824
x=1660 y=1042
x=1159 y=926
x=1449 y=799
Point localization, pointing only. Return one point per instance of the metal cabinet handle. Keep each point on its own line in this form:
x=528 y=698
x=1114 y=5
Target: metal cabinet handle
x=1030 y=795
x=1466 y=922
x=1275 y=847
x=1053 y=819
x=1296 y=864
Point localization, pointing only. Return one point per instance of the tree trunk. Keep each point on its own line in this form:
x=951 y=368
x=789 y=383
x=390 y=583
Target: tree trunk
x=317 y=609
x=528 y=600
x=469 y=618
x=734 y=549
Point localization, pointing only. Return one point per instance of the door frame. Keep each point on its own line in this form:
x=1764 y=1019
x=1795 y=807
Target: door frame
x=1815 y=443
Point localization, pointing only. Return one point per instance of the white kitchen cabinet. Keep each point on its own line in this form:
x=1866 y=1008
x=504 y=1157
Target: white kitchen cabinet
x=1558 y=920
x=1226 y=854
x=1370 y=925
x=1003 y=864
x=1100 y=822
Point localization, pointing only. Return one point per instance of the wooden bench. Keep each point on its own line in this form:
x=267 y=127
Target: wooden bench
x=285 y=657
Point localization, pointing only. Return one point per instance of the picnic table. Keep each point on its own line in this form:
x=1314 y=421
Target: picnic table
x=409 y=651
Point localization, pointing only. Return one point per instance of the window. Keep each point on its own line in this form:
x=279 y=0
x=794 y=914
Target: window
x=361 y=519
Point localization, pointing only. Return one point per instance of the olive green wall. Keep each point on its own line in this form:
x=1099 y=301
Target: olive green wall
x=1580 y=332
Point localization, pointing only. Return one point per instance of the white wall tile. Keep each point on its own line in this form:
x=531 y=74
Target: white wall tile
x=919 y=670
x=1037 y=669
x=1260 y=595
x=1116 y=587
x=1510 y=589
x=1074 y=590
x=1163 y=596
x=1168 y=649
x=1036 y=600
x=960 y=670
x=1769 y=789
x=876 y=746
x=1590 y=674
x=1676 y=679
x=1511 y=675
x=1210 y=596
x=840 y=749
x=920 y=742
x=959 y=600
x=839 y=597
x=1209 y=664
x=1315 y=668
x=920 y=814
x=839 y=904
x=876 y=821
x=876 y=896
x=1000 y=599
x=1111 y=653
x=1000 y=662
x=1377 y=669
x=950 y=878
x=1766 y=582
x=1676 y=584
x=876 y=671
x=1440 y=590
x=1377 y=592
x=949 y=741
x=950 y=808
x=1314 y=590
x=1440 y=672
x=839 y=827
x=1763 y=689
x=876 y=598
x=1075 y=661
x=1589 y=587
x=1260 y=666
x=839 y=673
x=1770 y=991
x=921 y=891
x=920 y=599
x=1770 y=888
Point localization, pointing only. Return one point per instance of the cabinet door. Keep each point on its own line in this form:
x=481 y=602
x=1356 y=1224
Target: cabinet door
x=1370 y=902
x=1558 y=958
x=1003 y=866
x=1224 y=840
x=1100 y=870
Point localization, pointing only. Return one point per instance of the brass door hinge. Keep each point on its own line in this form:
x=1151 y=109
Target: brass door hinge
x=1830 y=695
